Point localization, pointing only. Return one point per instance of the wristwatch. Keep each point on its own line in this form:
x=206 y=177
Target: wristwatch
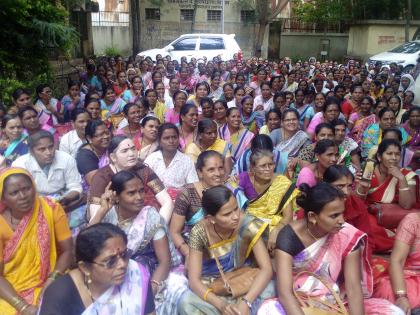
x=248 y=303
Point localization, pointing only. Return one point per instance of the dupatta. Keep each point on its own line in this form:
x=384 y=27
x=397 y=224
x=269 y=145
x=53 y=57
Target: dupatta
x=30 y=254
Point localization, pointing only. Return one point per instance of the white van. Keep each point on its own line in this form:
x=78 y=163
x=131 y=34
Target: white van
x=198 y=46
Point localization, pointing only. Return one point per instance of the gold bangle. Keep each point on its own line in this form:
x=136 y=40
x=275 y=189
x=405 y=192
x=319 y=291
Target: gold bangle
x=155 y=282
x=404 y=189
x=359 y=193
x=206 y=294
x=400 y=292
x=55 y=274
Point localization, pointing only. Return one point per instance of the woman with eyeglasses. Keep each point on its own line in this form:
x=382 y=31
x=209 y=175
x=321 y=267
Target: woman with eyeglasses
x=123 y=205
x=105 y=281
x=265 y=190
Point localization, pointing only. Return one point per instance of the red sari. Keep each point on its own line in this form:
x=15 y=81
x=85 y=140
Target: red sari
x=387 y=192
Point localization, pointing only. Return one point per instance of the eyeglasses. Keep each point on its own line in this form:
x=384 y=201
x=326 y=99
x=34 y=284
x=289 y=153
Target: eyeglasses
x=113 y=260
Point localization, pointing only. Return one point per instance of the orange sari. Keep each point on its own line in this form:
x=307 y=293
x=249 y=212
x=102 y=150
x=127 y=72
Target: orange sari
x=31 y=253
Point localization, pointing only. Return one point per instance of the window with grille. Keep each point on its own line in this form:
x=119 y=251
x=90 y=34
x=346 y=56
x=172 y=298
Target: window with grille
x=214 y=15
x=152 y=14
x=247 y=16
x=187 y=15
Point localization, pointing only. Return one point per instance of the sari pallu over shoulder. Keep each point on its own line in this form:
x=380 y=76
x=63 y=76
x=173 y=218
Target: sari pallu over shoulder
x=325 y=258
x=128 y=298
x=30 y=255
x=235 y=252
x=265 y=206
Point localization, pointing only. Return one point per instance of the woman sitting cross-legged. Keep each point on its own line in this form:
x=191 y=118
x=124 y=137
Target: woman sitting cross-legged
x=235 y=240
x=148 y=237
x=105 y=281
x=35 y=243
x=324 y=245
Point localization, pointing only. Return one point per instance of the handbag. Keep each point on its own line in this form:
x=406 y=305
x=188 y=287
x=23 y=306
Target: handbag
x=235 y=283
x=389 y=215
x=311 y=305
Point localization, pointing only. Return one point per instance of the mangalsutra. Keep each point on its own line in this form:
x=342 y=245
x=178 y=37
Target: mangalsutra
x=214 y=227
x=310 y=233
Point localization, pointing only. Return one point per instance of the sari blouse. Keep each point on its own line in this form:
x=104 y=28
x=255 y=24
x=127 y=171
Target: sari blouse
x=408 y=232
x=188 y=202
x=233 y=253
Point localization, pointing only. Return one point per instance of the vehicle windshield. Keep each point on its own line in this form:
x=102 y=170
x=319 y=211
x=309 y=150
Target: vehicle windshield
x=407 y=48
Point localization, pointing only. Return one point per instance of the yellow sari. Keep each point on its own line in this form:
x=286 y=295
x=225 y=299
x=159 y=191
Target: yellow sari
x=221 y=146
x=265 y=206
x=30 y=255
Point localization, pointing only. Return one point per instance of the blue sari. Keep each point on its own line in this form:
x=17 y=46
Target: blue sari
x=232 y=253
x=15 y=149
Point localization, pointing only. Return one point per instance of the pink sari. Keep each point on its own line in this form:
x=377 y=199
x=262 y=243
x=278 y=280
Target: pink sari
x=325 y=258
x=408 y=233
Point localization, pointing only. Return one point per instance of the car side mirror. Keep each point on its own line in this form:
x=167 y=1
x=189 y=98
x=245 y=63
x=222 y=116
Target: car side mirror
x=169 y=48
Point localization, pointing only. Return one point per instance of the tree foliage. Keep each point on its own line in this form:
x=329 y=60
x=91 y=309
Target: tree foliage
x=31 y=32
x=327 y=11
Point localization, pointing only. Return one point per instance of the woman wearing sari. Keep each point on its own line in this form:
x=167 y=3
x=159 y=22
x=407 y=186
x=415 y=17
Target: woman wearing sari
x=73 y=99
x=389 y=184
x=110 y=103
x=252 y=120
x=412 y=127
x=122 y=204
x=31 y=123
x=235 y=239
x=233 y=132
x=187 y=125
x=207 y=140
x=13 y=142
x=401 y=283
x=105 y=281
x=123 y=156
x=35 y=243
x=135 y=92
x=147 y=143
x=330 y=112
x=325 y=245
x=202 y=89
x=172 y=115
x=266 y=191
x=133 y=113
x=373 y=134
x=360 y=120
x=289 y=138
x=93 y=155
x=50 y=110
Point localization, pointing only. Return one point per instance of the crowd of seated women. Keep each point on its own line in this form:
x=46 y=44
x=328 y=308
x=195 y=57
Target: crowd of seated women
x=209 y=187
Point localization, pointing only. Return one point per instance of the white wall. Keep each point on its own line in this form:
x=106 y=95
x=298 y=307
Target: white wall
x=111 y=36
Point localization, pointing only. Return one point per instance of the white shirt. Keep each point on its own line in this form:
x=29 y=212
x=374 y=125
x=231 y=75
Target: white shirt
x=70 y=143
x=62 y=178
x=180 y=171
x=266 y=104
x=231 y=103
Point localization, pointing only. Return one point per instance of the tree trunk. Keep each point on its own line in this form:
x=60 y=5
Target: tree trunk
x=260 y=38
x=135 y=25
x=416 y=33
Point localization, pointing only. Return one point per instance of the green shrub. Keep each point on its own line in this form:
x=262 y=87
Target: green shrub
x=112 y=51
